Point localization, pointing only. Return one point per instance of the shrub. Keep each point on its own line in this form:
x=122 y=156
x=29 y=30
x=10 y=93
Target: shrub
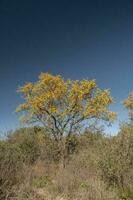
x=117 y=161
x=11 y=165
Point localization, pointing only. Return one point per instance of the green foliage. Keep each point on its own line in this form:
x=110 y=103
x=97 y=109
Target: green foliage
x=11 y=164
x=28 y=143
x=41 y=182
x=117 y=162
x=72 y=143
x=99 y=167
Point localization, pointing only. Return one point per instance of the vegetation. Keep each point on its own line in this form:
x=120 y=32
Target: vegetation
x=128 y=103
x=62 y=106
x=98 y=167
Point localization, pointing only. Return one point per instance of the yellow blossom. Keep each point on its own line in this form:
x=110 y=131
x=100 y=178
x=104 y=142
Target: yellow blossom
x=59 y=103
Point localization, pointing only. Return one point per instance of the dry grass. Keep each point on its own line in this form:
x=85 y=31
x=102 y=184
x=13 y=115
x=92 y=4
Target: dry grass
x=100 y=169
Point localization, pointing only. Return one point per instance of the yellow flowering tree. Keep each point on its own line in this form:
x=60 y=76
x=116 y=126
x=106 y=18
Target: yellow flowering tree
x=61 y=106
x=128 y=103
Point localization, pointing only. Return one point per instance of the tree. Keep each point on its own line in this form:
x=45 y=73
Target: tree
x=62 y=106
x=128 y=103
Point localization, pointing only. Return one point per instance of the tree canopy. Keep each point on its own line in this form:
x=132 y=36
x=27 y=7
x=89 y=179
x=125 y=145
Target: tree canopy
x=62 y=105
x=128 y=103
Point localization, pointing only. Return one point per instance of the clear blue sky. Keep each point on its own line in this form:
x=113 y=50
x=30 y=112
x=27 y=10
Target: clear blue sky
x=76 y=39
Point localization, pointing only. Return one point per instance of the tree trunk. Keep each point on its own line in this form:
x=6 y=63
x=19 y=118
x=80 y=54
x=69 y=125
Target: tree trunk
x=64 y=153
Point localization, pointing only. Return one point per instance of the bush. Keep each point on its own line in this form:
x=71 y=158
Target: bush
x=35 y=144
x=99 y=167
x=116 y=163
x=11 y=165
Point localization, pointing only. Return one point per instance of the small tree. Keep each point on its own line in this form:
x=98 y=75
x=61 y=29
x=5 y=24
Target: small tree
x=62 y=106
x=128 y=103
